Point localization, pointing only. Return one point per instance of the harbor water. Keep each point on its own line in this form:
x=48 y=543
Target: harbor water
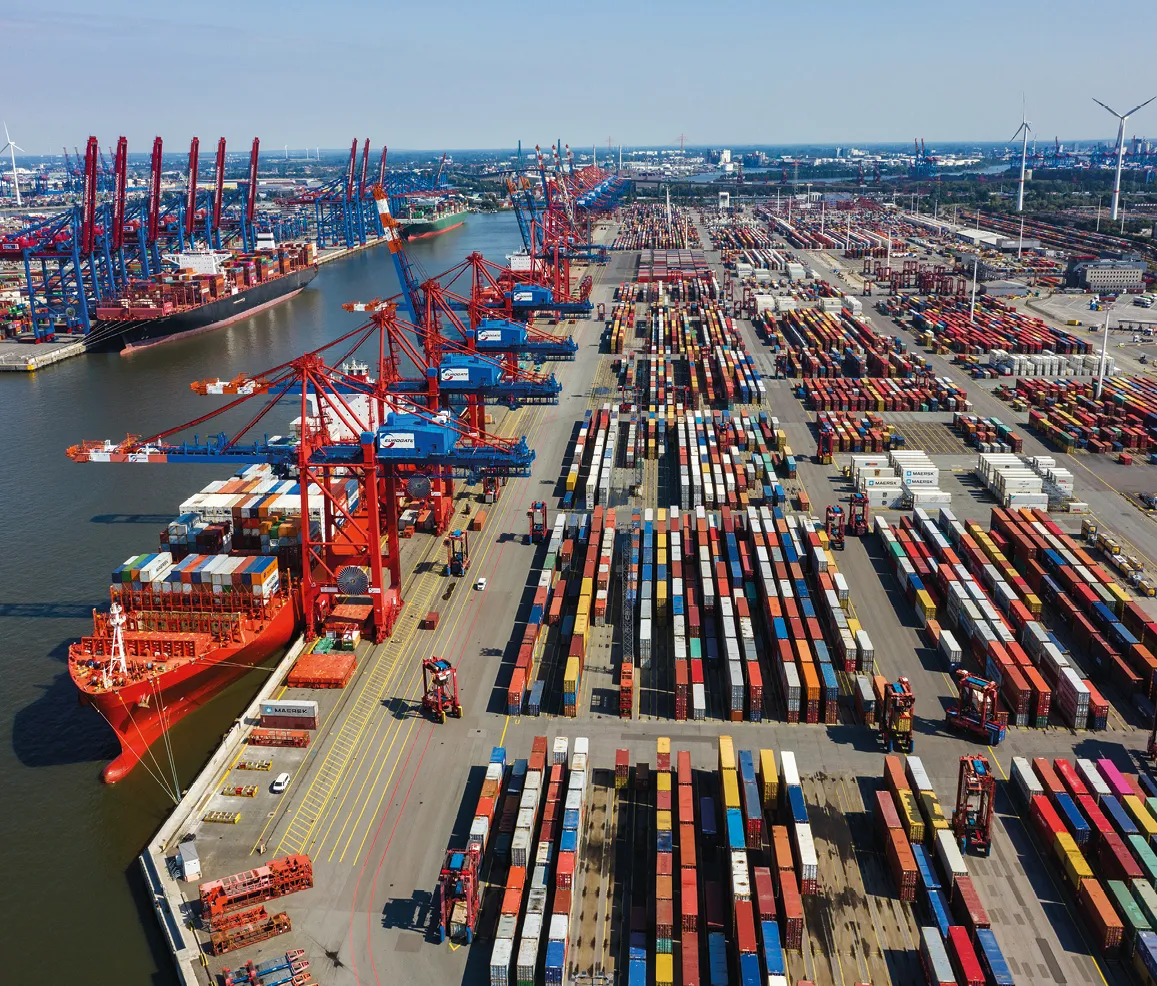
x=70 y=842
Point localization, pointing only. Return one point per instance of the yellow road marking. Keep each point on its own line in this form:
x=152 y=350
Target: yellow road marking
x=992 y=753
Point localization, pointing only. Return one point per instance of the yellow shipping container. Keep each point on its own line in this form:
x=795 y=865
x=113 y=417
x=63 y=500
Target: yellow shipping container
x=664 y=969
x=663 y=821
x=663 y=780
x=588 y=587
x=663 y=746
x=769 y=775
x=661 y=596
x=731 y=789
x=661 y=556
x=584 y=606
x=1076 y=868
x=1141 y=815
x=582 y=626
x=910 y=817
x=823 y=536
x=924 y=604
x=571 y=675
x=726 y=753
x=1120 y=596
x=571 y=481
x=930 y=807
x=854 y=625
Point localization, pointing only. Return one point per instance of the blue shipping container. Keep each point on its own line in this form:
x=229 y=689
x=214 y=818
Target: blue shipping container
x=736 y=839
x=937 y=905
x=707 y=817
x=555 y=961
x=772 y=949
x=638 y=973
x=796 y=803
x=717 y=959
x=1118 y=817
x=1073 y=819
x=568 y=841
x=928 y=878
x=751 y=808
x=749 y=973
x=996 y=969
x=746 y=765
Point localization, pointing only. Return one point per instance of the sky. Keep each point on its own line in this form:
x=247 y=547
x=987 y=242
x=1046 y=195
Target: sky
x=469 y=75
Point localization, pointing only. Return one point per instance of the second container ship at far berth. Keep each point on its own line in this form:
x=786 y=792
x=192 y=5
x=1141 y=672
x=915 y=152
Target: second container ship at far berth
x=202 y=290
x=430 y=217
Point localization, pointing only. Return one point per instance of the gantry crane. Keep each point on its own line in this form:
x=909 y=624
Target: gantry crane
x=857 y=525
x=896 y=716
x=457 y=553
x=440 y=689
x=975 y=796
x=350 y=427
x=460 y=894
x=976 y=709
x=834 y=524
x=537 y=515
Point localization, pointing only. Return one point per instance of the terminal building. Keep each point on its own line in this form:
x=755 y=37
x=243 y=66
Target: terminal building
x=1106 y=275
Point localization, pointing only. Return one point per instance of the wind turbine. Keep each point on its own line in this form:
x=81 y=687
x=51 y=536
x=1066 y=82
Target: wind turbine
x=1121 y=117
x=12 y=147
x=1022 y=131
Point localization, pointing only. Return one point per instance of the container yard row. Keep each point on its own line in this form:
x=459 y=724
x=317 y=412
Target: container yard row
x=1067 y=413
x=746 y=613
x=724 y=861
x=653 y=227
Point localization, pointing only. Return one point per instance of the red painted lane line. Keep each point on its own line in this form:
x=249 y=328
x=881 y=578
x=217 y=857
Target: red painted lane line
x=386 y=849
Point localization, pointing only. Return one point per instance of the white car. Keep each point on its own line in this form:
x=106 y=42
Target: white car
x=480 y=584
x=280 y=783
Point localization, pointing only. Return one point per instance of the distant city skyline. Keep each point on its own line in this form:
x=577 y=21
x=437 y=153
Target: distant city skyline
x=735 y=73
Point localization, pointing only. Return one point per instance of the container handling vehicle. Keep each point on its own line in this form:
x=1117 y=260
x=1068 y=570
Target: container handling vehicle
x=857 y=523
x=896 y=717
x=975 y=710
x=834 y=524
x=460 y=894
x=440 y=689
x=457 y=553
x=975 y=797
x=537 y=515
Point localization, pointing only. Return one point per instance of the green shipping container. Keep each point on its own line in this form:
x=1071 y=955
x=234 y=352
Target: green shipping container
x=696 y=649
x=1131 y=914
x=1145 y=855
x=1146 y=898
x=1151 y=804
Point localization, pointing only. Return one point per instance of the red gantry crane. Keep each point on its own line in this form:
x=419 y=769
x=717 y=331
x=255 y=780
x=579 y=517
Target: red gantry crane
x=975 y=796
x=440 y=689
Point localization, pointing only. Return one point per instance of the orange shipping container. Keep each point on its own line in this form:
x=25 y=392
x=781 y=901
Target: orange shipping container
x=894 y=775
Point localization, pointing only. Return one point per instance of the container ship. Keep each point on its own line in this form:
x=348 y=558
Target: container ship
x=186 y=621
x=430 y=217
x=202 y=290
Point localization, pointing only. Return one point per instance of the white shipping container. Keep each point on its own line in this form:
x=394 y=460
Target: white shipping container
x=1093 y=779
x=740 y=875
x=806 y=857
x=788 y=772
x=1025 y=778
x=527 y=962
x=500 y=957
x=948 y=853
x=917 y=775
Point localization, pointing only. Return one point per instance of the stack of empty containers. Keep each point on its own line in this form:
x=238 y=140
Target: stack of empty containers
x=802 y=840
x=664 y=867
x=929 y=805
x=1011 y=480
x=919 y=478
x=647 y=589
x=785 y=866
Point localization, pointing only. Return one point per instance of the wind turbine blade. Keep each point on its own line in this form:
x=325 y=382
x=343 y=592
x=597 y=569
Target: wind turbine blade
x=20 y=149
x=1106 y=106
x=1142 y=106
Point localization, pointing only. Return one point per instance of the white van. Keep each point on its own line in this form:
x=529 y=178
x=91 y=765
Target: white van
x=280 y=783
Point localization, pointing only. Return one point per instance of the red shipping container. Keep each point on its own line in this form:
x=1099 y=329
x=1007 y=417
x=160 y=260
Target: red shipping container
x=1103 y=924
x=1096 y=818
x=963 y=958
x=683 y=768
x=792 y=911
x=663 y=800
x=1070 y=778
x=562 y=901
x=1048 y=777
x=564 y=870
x=689 y=899
x=664 y=918
x=664 y=881
x=745 y=927
x=781 y=845
x=886 y=815
x=512 y=900
x=690 y=950
x=894 y=775
x=1115 y=862
x=687 y=850
x=966 y=906
x=901 y=863
x=764 y=893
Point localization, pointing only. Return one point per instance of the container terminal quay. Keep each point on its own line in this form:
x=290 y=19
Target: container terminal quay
x=813 y=642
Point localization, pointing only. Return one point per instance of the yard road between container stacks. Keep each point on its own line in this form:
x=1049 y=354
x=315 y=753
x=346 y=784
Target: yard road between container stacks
x=592 y=953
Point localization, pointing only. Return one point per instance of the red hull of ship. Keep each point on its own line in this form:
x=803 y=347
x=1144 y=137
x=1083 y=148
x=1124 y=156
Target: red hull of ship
x=180 y=691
